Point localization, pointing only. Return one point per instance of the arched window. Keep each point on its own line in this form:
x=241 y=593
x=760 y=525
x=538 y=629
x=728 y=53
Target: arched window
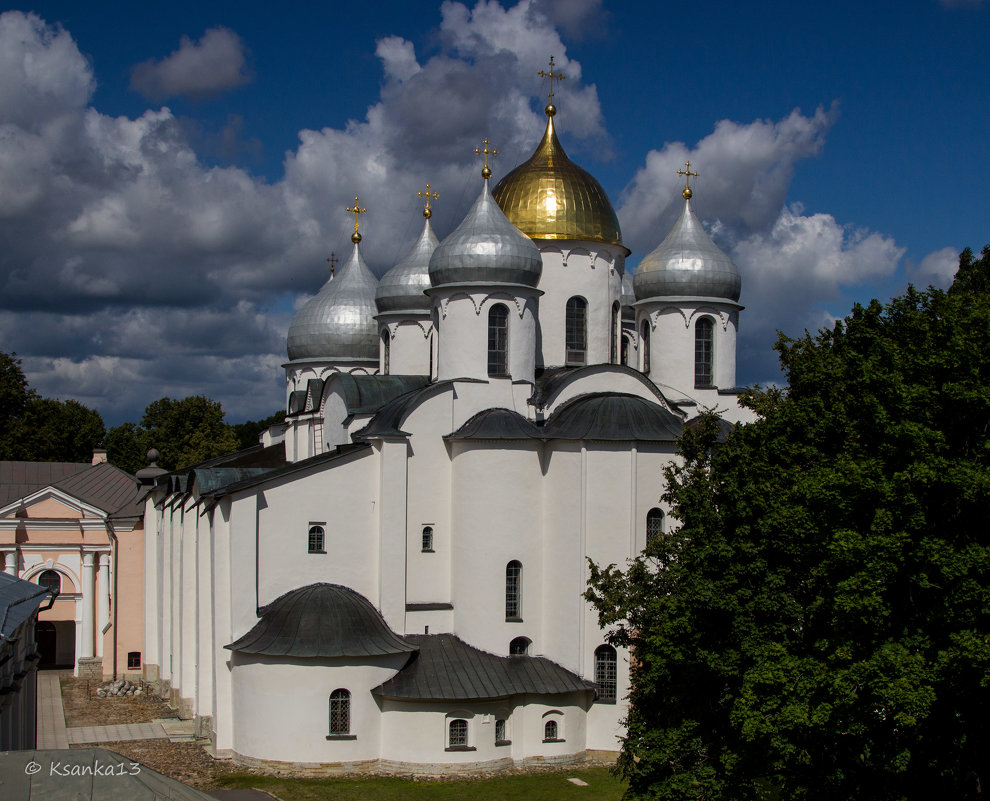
x=644 y=345
x=703 y=352
x=625 y=350
x=316 y=537
x=428 y=539
x=457 y=733
x=50 y=580
x=550 y=731
x=500 y=737
x=386 y=349
x=520 y=646
x=498 y=341
x=576 y=332
x=654 y=524
x=605 y=673
x=340 y=713
x=613 y=351
x=513 y=590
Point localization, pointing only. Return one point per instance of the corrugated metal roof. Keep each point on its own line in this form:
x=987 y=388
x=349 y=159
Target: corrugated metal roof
x=497 y=424
x=18 y=479
x=106 y=487
x=321 y=620
x=365 y=394
x=75 y=778
x=446 y=668
x=18 y=600
x=612 y=416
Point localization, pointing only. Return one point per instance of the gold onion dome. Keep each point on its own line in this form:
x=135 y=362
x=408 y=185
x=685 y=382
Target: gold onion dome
x=551 y=197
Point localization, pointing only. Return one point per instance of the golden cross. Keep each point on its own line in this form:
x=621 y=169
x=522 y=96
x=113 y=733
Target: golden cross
x=687 y=179
x=428 y=195
x=486 y=172
x=356 y=210
x=551 y=75
x=334 y=261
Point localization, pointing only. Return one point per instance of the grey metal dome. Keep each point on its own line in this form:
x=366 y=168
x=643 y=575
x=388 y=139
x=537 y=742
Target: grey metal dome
x=486 y=248
x=687 y=263
x=628 y=297
x=402 y=287
x=338 y=321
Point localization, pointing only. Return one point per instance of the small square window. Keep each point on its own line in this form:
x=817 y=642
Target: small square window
x=133 y=660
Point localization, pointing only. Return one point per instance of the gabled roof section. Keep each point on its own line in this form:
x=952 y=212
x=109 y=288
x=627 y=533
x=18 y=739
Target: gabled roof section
x=106 y=487
x=393 y=414
x=448 y=669
x=612 y=416
x=18 y=601
x=497 y=424
x=19 y=479
x=365 y=394
x=321 y=620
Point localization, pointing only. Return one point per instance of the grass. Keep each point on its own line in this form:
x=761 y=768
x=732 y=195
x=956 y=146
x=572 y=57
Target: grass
x=546 y=786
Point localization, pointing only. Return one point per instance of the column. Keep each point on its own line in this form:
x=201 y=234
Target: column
x=85 y=647
x=10 y=563
x=103 y=609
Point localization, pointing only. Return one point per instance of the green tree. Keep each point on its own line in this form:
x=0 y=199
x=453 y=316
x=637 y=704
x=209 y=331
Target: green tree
x=185 y=432
x=819 y=625
x=33 y=428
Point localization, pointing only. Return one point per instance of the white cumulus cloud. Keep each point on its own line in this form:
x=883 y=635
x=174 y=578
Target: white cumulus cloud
x=214 y=64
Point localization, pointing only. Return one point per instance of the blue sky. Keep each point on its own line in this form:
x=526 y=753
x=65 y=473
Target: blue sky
x=172 y=176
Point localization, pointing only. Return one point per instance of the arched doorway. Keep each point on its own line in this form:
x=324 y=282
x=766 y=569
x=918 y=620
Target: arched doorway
x=46 y=637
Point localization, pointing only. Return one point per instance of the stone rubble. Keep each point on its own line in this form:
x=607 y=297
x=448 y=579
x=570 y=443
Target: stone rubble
x=119 y=688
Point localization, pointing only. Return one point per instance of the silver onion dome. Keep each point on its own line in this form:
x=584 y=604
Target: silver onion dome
x=337 y=322
x=687 y=263
x=628 y=296
x=402 y=287
x=486 y=248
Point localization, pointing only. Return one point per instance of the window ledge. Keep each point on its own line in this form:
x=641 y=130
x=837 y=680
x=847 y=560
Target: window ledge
x=427 y=550
x=503 y=742
x=341 y=736
x=610 y=701
x=556 y=740
x=460 y=748
x=316 y=551
x=513 y=620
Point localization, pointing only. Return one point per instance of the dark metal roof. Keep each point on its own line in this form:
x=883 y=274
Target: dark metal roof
x=448 y=669
x=497 y=424
x=551 y=380
x=388 y=419
x=297 y=401
x=18 y=601
x=210 y=478
x=77 y=779
x=18 y=479
x=613 y=416
x=365 y=394
x=321 y=620
x=287 y=468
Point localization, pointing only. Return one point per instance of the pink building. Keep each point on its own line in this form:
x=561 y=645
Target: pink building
x=78 y=528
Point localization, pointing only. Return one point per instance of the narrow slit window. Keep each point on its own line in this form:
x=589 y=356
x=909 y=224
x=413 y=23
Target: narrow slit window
x=606 y=664
x=340 y=713
x=704 y=342
x=576 y=333
x=513 y=590
x=645 y=345
x=654 y=524
x=498 y=341
x=427 y=539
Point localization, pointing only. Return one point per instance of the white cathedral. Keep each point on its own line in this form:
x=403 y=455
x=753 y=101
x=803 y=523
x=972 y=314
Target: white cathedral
x=393 y=579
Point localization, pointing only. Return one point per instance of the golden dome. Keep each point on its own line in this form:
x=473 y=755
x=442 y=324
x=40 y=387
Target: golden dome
x=550 y=197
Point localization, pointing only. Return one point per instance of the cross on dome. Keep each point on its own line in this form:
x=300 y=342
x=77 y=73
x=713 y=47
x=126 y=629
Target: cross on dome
x=486 y=172
x=687 y=180
x=334 y=261
x=429 y=195
x=550 y=109
x=356 y=210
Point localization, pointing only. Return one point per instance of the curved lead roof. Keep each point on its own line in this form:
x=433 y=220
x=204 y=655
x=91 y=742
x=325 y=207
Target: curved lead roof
x=321 y=620
x=338 y=321
x=612 y=416
x=402 y=287
x=486 y=248
x=687 y=263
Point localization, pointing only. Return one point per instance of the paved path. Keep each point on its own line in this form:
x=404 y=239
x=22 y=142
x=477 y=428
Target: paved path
x=115 y=734
x=51 y=717
x=52 y=732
